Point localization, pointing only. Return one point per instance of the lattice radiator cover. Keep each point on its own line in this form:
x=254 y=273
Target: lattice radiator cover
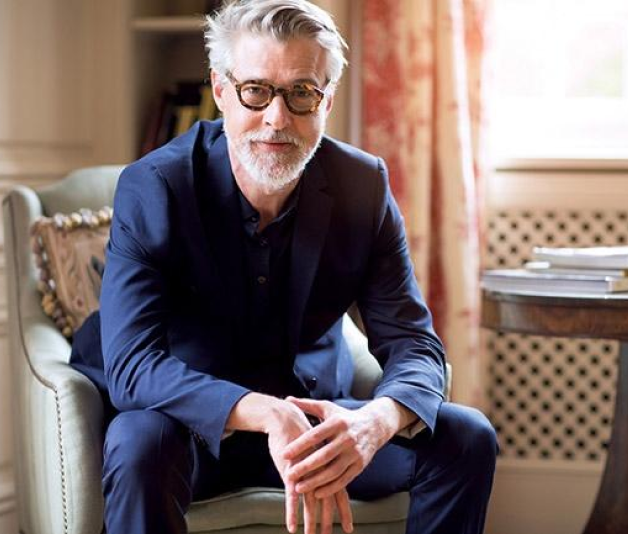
x=551 y=398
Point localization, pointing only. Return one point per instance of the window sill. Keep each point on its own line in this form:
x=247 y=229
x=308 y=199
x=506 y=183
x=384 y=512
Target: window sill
x=606 y=164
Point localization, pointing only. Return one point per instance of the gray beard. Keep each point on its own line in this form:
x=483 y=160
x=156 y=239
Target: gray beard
x=273 y=172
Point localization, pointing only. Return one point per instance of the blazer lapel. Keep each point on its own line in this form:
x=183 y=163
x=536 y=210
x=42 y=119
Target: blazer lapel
x=223 y=225
x=311 y=225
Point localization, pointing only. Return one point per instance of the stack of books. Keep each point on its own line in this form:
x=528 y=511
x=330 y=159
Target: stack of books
x=176 y=111
x=565 y=270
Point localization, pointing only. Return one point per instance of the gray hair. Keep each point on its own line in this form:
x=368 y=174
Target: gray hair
x=280 y=19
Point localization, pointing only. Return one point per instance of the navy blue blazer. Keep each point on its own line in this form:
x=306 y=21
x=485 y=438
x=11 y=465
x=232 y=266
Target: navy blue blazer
x=171 y=301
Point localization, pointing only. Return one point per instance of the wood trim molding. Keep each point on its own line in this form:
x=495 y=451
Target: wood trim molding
x=552 y=189
x=562 y=164
x=8 y=182
x=7 y=490
x=550 y=467
x=22 y=162
x=4 y=322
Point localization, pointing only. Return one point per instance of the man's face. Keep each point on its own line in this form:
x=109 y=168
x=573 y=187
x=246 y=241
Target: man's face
x=272 y=146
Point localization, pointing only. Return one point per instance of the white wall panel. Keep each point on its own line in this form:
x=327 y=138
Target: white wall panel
x=545 y=496
x=557 y=189
x=44 y=73
x=541 y=497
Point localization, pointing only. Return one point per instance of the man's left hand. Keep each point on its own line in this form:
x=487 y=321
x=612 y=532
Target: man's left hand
x=346 y=441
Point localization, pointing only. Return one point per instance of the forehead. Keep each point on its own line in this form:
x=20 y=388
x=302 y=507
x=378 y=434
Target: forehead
x=282 y=62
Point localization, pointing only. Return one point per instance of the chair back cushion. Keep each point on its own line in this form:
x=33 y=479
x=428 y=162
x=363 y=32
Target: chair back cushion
x=90 y=188
x=87 y=188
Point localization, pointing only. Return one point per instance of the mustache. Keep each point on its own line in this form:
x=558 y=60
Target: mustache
x=275 y=137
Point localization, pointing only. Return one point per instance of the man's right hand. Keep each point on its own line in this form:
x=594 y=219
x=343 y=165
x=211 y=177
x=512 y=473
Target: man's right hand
x=284 y=422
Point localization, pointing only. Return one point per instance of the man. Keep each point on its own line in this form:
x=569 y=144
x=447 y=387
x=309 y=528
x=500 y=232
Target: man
x=235 y=250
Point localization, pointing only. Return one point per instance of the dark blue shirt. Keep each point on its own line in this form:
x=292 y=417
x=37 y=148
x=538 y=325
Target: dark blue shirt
x=267 y=269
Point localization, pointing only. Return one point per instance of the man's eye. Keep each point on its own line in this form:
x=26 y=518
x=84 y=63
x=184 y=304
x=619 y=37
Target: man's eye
x=254 y=90
x=302 y=93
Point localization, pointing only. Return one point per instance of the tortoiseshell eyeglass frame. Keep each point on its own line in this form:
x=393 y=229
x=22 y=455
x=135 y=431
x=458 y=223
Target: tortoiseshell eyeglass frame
x=274 y=91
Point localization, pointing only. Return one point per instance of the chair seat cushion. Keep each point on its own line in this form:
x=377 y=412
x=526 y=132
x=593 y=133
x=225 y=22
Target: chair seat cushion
x=265 y=506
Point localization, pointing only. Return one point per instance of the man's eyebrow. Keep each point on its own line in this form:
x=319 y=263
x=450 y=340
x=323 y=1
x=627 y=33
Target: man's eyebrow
x=298 y=81
x=310 y=81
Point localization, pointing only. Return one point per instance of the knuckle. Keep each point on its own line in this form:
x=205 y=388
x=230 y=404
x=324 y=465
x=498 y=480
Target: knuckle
x=336 y=486
x=347 y=477
x=332 y=421
x=349 y=441
x=325 y=453
x=341 y=423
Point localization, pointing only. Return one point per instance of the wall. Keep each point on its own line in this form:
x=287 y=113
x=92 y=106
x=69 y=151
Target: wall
x=549 y=496
x=343 y=12
x=58 y=105
x=562 y=189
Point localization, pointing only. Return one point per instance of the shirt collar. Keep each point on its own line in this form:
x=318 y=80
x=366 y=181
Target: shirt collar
x=251 y=215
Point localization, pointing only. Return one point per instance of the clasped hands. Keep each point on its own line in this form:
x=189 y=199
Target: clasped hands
x=319 y=462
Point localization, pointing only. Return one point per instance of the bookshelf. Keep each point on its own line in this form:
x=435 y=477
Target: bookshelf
x=167 y=25
x=166 y=48
x=100 y=66
x=147 y=47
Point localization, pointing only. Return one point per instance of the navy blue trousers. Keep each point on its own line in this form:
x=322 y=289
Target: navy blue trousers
x=153 y=469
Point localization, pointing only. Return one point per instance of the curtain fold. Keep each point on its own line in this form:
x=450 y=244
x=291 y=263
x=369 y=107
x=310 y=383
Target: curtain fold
x=422 y=67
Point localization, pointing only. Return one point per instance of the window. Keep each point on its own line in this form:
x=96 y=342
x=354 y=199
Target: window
x=560 y=80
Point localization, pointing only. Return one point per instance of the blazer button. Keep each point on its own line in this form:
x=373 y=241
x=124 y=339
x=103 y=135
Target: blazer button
x=310 y=383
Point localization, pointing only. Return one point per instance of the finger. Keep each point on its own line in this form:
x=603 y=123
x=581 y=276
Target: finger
x=324 y=477
x=327 y=515
x=311 y=439
x=340 y=483
x=309 y=513
x=320 y=409
x=323 y=456
x=292 y=508
x=344 y=510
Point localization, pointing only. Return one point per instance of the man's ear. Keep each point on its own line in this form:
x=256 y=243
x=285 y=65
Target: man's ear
x=216 y=88
x=329 y=101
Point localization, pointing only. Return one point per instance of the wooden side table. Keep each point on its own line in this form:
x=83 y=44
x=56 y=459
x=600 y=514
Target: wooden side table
x=602 y=316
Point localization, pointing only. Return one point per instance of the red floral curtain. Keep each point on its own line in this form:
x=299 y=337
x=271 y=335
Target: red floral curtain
x=422 y=111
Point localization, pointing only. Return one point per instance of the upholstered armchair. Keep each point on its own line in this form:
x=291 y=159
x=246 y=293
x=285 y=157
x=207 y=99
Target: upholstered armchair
x=59 y=414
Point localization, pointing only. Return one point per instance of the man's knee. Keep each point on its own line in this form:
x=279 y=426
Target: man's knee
x=139 y=443
x=468 y=434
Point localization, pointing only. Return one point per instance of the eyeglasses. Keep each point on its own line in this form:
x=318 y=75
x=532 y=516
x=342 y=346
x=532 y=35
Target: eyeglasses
x=301 y=99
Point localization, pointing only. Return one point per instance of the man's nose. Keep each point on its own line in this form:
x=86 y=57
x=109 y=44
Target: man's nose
x=277 y=115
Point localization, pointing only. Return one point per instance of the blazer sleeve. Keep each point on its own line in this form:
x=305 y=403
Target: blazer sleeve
x=397 y=320
x=140 y=370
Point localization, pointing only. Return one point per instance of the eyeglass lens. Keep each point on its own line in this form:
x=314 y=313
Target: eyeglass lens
x=299 y=98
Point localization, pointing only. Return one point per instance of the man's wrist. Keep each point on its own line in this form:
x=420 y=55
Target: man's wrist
x=254 y=412
x=390 y=415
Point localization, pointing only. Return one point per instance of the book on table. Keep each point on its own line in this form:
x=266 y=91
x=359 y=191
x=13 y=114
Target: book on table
x=549 y=282
x=583 y=257
x=548 y=268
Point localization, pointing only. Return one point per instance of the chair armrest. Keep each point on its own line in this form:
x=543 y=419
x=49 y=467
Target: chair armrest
x=448 y=379
x=59 y=429
x=367 y=371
